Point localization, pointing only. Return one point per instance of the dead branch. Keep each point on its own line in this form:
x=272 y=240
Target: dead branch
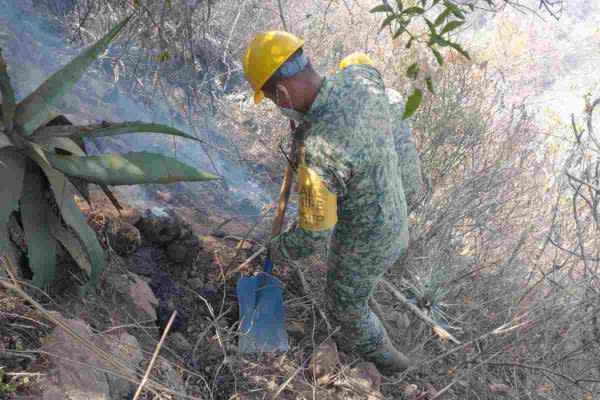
x=441 y=332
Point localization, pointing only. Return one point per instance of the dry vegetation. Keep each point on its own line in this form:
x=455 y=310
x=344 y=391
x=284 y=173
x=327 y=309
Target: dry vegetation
x=504 y=246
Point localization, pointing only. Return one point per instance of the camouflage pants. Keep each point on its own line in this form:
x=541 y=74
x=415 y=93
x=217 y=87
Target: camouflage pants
x=351 y=279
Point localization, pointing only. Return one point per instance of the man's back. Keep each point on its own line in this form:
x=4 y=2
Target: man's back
x=408 y=158
x=351 y=140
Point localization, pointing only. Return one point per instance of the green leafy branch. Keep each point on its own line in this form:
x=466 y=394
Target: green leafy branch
x=399 y=19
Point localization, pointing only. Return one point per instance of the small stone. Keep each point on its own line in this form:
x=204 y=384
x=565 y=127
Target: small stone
x=138 y=300
x=324 y=362
x=179 y=341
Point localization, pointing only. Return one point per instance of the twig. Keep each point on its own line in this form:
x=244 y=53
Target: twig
x=248 y=261
x=154 y=356
x=281 y=15
x=419 y=314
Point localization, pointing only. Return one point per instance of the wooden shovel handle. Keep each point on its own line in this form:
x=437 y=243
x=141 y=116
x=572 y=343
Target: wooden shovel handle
x=286 y=186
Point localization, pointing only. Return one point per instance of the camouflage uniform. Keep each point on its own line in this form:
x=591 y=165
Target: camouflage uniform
x=409 y=163
x=349 y=145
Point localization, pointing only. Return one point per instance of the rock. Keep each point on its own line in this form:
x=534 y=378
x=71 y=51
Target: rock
x=129 y=349
x=184 y=250
x=124 y=239
x=164 y=373
x=135 y=294
x=324 y=362
x=179 y=341
x=161 y=225
x=75 y=371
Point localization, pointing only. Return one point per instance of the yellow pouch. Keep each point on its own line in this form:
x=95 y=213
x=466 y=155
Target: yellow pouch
x=318 y=206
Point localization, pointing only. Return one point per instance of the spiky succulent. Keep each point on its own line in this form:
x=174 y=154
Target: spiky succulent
x=35 y=158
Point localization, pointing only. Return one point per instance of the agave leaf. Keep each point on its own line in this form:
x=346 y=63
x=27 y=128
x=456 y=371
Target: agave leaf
x=12 y=170
x=71 y=214
x=39 y=106
x=111 y=196
x=7 y=251
x=8 y=97
x=4 y=141
x=108 y=129
x=70 y=242
x=127 y=169
x=41 y=245
x=61 y=143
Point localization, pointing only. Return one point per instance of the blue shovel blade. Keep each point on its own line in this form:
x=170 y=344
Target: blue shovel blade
x=262 y=327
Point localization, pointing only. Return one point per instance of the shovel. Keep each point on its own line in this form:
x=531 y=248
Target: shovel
x=260 y=297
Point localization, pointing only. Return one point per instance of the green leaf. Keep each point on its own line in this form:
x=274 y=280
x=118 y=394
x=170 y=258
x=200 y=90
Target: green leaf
x=62 y=143
x=400 y=5
x=439 y=41
x=41 y=245
x=137 y=3
x=429 y=84
x=164 y=56
x=72 y=215
x=7 y=251
x=412 y=103
x=412 y=71
x=401 y=29
x=430 y=26
x=414 y=10
x=442 y=17
x=8 y=97
x=454 y=9
x=438 y=56
x=113 y=199
x=109 y=129
x=462 y=51
x=388 y=20
x=127 y=169
x=39 y=107
x=12 y=171
x=4 y=141
x=382 y=8
x=450 y=26
x=70 y=242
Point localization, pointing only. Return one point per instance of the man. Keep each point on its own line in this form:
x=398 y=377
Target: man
x=350 y=190
x=408 y=157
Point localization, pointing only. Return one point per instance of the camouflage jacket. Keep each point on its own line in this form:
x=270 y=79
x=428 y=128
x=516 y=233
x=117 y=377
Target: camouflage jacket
x=408 y=157
x=349 y=146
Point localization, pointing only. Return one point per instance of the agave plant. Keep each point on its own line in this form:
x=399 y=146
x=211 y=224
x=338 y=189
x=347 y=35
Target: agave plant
x=36 y=159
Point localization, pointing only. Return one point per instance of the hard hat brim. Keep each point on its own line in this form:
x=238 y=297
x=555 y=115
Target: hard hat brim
x=258 y=96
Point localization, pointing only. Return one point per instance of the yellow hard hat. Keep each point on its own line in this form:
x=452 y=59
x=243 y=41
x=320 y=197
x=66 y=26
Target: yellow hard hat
x=355 y=58
x=267 y=52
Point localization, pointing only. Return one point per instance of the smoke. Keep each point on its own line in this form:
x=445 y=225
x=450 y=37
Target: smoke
x=34 y=46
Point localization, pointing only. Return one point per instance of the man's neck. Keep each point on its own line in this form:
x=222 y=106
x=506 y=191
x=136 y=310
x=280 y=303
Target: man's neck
x=311 y=85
